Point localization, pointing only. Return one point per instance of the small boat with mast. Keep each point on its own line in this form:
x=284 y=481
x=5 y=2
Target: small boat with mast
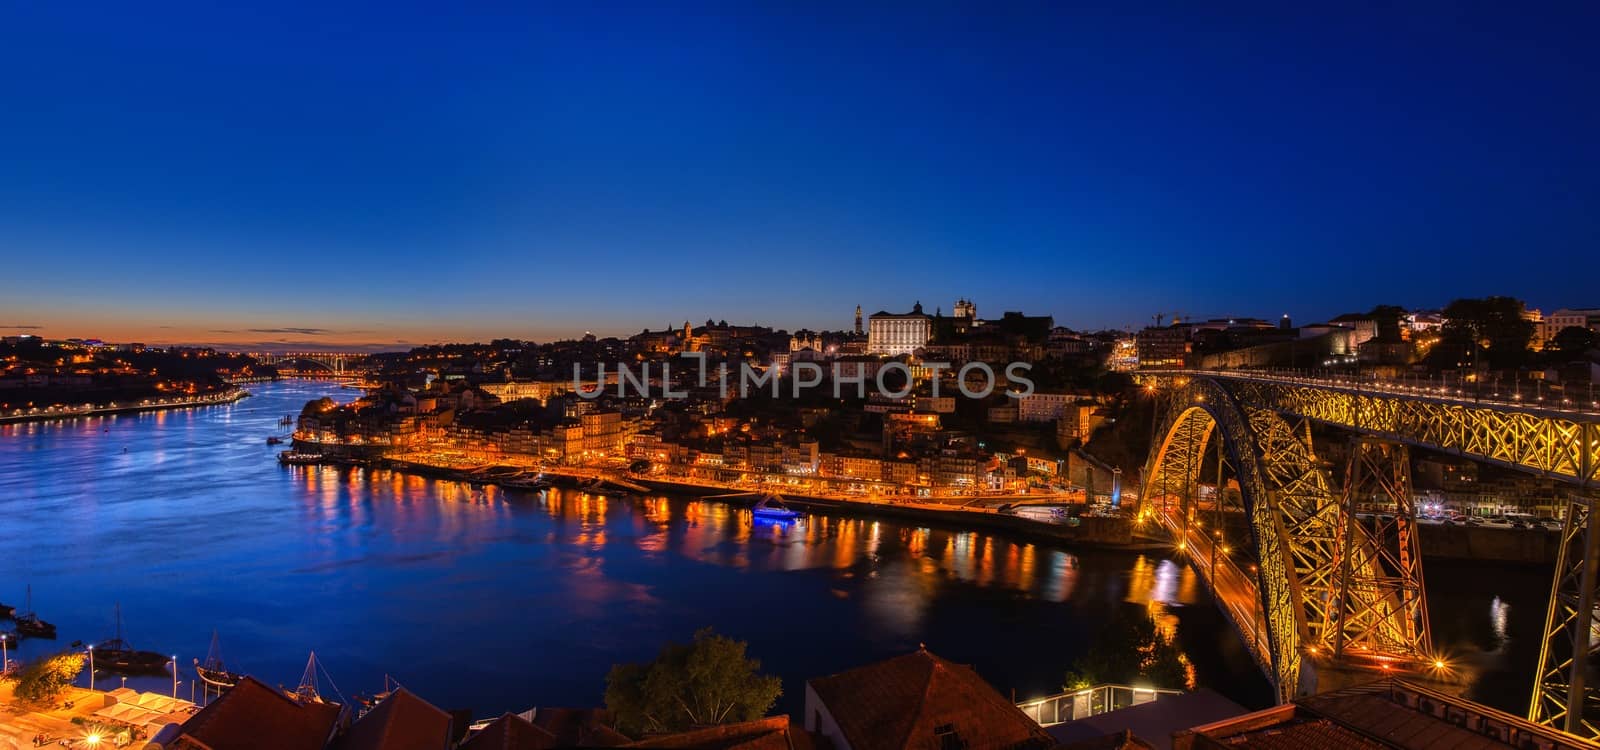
x=769 y=507
x=214 y=675
x=28 y=623
x=310 y=691
x=120 y=657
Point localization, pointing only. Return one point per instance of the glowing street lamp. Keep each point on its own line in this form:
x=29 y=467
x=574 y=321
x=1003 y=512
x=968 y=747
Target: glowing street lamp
x=91 y=667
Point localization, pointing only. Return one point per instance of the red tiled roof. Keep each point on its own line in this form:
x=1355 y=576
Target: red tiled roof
x=1123 y=740
x=511 y=732
x=252 y=716
x=771 y=733
x=916 y=700
x=579 y=727
x=1317 y=734
x=401 y=722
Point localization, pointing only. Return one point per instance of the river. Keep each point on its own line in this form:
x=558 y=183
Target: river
x=501 y=600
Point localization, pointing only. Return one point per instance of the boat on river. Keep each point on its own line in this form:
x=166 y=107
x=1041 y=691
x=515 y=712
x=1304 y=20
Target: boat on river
x=28 y=623
x=536 y=482
x=298 y=458
x=274 y=440
x=310 y=688
x=771 y=508
x=212 y=671
x=118 y=656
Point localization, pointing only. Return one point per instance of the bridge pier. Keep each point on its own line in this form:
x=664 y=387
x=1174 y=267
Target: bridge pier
x=1562 y=692
x=1383 y=605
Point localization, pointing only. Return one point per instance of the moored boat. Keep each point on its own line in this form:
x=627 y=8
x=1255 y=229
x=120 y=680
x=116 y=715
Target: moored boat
x=297 y=458
x=274 y=440
x=771 y=508
x=212 y=671
x=28 y=623
x=310 y=691
x=118 y=656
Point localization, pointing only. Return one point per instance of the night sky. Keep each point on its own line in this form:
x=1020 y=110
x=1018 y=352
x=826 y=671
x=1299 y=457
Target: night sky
x=337 y=174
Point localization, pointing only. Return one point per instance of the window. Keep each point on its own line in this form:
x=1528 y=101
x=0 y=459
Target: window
x=948 y=737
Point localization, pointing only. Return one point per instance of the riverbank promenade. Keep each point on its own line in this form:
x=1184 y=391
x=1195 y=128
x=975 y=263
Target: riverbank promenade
x=73 y=411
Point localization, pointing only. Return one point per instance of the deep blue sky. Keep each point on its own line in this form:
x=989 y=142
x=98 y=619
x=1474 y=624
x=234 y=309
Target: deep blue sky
x=337 y=173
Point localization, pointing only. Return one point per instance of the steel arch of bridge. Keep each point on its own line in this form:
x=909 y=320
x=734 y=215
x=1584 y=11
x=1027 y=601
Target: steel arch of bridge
x=1559 y=444
x=1321 y=581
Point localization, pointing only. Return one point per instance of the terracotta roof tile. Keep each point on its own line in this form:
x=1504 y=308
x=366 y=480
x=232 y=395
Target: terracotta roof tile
x=401 y=722
x=918 y=700
x=579 y=727
x=511 y=732
x=252 y=716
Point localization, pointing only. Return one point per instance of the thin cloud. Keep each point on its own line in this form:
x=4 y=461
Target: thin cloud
x=295 y=331
x=20 y=328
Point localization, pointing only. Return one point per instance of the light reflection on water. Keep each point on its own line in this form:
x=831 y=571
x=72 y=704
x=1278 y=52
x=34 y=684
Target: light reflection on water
x=499 y=599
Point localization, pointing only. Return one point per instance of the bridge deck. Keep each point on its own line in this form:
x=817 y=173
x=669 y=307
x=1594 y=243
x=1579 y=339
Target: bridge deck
x=1234 y=589
x=1554 y=441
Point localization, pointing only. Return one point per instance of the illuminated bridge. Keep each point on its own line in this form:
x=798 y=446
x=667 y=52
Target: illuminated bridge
x=1321 y=598
x=310 y=363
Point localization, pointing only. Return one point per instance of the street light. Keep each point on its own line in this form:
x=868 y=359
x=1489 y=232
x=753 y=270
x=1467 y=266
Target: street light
x=174 y=676
x=91 y=667
x=5 y=653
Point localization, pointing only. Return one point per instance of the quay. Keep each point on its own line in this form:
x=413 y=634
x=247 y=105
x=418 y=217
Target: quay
x=72 y=411
x=984 y=512
x=1119 y=531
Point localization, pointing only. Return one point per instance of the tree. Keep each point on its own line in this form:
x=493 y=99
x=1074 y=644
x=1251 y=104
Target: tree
x=704 y=683
x=44 y=678
x=1130 y=650
x=1575 y=341
x=1493 y=325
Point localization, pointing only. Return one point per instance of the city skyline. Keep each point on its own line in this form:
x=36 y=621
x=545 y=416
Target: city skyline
x=215 y=176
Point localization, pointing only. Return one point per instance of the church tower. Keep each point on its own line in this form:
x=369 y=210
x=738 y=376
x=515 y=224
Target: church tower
x=858 y=320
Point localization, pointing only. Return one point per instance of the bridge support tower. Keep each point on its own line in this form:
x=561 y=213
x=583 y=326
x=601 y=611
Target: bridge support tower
x=1565 y=694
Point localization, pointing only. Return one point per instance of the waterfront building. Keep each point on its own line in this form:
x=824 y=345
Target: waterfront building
x=892 y=334
x=854 y=466
x=952 y=468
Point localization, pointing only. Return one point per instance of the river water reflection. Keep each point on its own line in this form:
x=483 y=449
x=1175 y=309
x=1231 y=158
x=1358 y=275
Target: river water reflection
x=498 y=600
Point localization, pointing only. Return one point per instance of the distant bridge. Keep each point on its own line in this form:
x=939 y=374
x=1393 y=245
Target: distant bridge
x=329 y=363
x=1316 y=594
